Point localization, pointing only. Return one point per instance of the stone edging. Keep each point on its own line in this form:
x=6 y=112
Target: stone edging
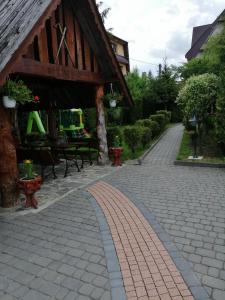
x=113 y=267
x=198 y=164
x=141 y=159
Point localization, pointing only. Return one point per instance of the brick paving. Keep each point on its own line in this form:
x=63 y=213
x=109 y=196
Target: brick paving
x=189 y=204
x=147 y=268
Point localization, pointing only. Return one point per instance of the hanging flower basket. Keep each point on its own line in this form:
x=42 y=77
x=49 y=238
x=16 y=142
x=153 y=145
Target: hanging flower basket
x=8 y=102
x=15 y=92
x=112 y=103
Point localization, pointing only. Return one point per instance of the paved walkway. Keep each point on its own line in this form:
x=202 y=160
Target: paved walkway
x=189 y=204
x=70 y=250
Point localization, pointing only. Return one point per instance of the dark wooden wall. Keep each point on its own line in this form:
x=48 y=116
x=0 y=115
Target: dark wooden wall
x=45 y=45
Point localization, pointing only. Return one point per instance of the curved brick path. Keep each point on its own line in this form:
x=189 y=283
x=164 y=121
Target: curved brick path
x=147 y=269
x=189 y=204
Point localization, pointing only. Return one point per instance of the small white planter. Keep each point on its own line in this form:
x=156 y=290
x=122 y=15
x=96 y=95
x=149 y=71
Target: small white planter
x=112 y=103
x=8 y=102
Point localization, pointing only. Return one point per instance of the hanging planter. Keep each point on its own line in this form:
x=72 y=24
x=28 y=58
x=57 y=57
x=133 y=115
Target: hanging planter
x=111 y=99
x=8 y=102
x=112 y=103
x=15 y=92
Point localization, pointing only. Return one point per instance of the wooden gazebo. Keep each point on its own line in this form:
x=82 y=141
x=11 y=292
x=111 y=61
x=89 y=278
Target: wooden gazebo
x=61 y=50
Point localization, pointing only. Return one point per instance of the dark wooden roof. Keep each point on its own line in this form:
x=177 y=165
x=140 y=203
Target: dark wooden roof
x=197 y=32
x=200 y=36
x=21 y=20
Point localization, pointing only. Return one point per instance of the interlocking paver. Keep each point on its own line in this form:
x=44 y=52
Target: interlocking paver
x=188 y=202
x=137 y=245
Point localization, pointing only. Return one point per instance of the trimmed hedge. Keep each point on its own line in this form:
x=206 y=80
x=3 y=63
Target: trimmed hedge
x=146 y=135
x=160 y=119
x=112 y=132
x=166 y=113
x=133 y=136
x=155 y=128
x=144 y=122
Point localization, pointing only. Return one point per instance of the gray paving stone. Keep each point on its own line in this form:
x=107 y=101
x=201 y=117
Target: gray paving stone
x=218 y=294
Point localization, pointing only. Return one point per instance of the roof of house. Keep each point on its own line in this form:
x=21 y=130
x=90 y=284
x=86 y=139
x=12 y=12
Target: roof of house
x=200 y=36
x=20 y=20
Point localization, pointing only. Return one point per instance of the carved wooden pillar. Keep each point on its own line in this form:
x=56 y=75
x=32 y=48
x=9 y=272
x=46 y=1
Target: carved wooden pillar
x=101 y=128
x=8 y=162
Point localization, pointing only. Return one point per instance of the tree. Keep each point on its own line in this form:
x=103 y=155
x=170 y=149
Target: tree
x=199 y=95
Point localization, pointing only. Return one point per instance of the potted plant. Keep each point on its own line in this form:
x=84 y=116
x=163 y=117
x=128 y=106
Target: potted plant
x=29 y=183
x=15 y=92
x=112 y=99
x=116 y=152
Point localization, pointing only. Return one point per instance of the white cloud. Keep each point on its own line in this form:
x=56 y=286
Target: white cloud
x=156 y=29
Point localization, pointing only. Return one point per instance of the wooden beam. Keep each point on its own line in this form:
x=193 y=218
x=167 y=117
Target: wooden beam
x=70 y=35
x=8 y=161
x=43 y=47
x=87 y=52
x=61 y=21
x=54 y=35
x=79 y=46
x=47 y=70
x=101 y=127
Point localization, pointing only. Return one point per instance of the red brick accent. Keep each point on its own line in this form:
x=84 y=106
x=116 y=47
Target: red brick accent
x=147 y=269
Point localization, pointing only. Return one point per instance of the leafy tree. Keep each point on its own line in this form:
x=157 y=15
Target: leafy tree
x=166 y=88
x=199 y=95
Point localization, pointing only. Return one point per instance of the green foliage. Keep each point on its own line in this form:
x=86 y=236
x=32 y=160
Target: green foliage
x=166 y=87
x=146 y=135
x=155 y=128
x=18 y=91
x=160 y=119
x=166 y=113
x=132 y=136
x=114 y=136
x=196 y=66
x=115 y=115
x=198 y=96
x=144 y=123
x=220 y=119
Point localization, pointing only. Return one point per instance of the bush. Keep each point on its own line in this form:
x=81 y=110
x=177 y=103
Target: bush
x=133 y=136
x=155 y=128
x=160 y=119
x=112 y=132
x=144 y=123
x=146 y=135
x=166 y=113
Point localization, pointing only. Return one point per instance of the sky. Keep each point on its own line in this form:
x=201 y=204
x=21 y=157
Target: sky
x=156 y=29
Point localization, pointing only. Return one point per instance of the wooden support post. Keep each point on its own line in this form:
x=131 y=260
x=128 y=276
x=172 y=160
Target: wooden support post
x=101 y=127
x=52 y=123
x=8 y=162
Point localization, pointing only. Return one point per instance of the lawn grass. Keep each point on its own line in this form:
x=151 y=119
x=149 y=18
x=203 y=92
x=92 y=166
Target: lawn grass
x=210 y=150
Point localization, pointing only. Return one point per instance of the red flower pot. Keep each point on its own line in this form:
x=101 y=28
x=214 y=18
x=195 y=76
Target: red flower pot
x=116 y=154
x=29 y=188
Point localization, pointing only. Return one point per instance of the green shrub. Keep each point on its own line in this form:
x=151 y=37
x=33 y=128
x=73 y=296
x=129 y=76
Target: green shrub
x=146 y=135
x=166 y=113
x=112 y=133
x=144 y=122
x=155 y=128
x=133 y=136
x=160 y=119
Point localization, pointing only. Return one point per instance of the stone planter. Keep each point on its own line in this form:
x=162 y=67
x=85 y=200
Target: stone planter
x=29 y=187
x=116 y=154
x=8 y=102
